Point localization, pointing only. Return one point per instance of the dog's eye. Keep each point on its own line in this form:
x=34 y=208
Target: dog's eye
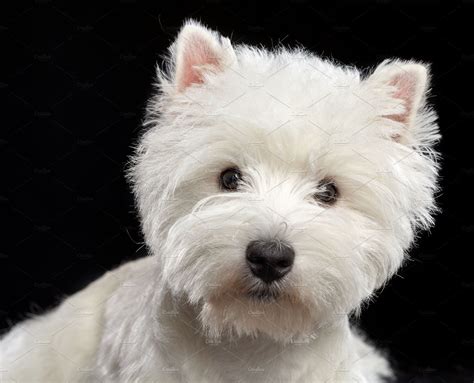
x=230 y=179
x=329 y=192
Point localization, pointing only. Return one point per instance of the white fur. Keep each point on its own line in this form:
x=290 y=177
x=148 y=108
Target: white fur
x=287 y=119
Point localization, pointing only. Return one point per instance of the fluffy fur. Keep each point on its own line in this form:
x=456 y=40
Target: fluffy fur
x=188 y=313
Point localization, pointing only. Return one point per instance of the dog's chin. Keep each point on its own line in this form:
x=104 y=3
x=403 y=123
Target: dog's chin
x=267 y=310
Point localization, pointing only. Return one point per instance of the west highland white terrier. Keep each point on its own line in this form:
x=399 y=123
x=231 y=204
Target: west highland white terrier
x=277 y=192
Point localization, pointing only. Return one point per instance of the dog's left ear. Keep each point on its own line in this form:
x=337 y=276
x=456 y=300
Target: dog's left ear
x=408 y=83
x=196 y=51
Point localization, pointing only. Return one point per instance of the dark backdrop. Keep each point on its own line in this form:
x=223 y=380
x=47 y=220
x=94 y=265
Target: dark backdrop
x=74 y=83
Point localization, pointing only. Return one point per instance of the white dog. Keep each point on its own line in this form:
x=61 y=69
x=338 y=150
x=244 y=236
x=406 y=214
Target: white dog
x=277 y=192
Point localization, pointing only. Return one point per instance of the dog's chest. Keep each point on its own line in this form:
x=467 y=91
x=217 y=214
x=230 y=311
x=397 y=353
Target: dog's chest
x=256 y=362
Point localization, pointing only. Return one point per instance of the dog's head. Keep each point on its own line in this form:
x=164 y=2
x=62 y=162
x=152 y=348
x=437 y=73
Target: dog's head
x=279 y=190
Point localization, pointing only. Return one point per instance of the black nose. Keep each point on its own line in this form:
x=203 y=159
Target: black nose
x=269 y=260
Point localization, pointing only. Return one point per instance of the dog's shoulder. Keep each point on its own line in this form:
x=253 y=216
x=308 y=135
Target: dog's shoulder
x=48 y=344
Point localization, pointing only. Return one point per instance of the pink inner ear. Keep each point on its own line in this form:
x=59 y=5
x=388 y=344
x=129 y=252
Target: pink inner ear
x=405 y=84
x=197 y=53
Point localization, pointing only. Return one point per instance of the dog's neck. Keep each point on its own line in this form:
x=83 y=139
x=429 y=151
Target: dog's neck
x=260 y=358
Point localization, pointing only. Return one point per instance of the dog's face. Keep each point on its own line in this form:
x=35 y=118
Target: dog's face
x=277 y=190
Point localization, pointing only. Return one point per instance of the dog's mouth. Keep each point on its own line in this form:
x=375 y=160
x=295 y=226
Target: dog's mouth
x=264 y=293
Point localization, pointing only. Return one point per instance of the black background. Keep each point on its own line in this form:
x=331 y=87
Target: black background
x=73 y=87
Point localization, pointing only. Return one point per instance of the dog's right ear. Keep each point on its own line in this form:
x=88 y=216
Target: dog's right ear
x=198 y=50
